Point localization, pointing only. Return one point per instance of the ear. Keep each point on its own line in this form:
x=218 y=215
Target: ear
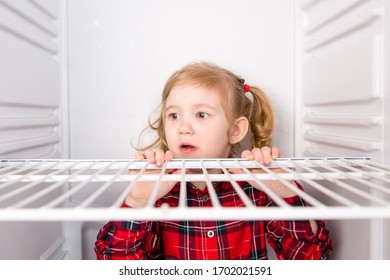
x=238 y=130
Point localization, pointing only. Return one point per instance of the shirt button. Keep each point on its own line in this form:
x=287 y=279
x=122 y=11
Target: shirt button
x=205 y=198
x=210 y=233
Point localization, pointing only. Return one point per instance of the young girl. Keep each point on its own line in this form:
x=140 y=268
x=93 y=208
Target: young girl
x=208 y=112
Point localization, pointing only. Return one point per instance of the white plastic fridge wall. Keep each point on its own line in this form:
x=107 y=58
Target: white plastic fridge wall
x=343 y=89
x=96 y=68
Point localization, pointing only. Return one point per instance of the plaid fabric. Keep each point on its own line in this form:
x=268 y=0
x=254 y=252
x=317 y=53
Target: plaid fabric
x=201 y=240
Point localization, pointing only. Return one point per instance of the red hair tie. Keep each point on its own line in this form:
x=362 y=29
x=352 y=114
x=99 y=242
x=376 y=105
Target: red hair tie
x=246 y=88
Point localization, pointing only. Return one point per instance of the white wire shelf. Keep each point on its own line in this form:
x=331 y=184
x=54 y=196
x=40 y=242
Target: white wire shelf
x=94 y=190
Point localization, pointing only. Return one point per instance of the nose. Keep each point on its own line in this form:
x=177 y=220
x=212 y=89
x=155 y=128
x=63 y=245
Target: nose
x=186 y=128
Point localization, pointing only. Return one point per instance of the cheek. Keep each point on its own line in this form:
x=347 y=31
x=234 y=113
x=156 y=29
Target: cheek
x=220 y=133
x=168 y=132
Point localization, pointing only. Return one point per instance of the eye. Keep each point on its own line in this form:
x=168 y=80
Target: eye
x=202 y=115
x=173 y=116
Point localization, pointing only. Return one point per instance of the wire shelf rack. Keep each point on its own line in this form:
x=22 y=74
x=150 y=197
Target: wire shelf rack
x=94 y=190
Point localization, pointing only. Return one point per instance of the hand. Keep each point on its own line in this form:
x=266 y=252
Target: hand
x=142 y=191
x=158 y=157
x=265 y=155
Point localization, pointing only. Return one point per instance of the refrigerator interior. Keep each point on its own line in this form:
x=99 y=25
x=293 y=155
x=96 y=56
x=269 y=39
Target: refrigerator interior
x=80 y=78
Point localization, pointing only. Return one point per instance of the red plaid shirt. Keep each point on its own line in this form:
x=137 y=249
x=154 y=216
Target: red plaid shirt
x=213 y=239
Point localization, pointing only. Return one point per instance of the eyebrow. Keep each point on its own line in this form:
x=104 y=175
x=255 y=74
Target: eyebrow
x=198 y=105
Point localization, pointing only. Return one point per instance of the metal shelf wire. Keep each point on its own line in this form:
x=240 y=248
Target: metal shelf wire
x=67 y=189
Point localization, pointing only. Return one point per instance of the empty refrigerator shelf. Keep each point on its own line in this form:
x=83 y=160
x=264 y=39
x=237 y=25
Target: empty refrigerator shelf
x=94 y=190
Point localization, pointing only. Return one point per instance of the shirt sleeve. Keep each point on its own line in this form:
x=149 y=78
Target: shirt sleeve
x=128 y=240
x=296 y=240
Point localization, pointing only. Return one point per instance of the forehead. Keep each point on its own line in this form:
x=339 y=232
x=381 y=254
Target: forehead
x=189 y=94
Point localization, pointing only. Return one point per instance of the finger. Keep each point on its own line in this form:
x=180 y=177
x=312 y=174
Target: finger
x=139 y=156
x=263 y=155
x=267 y=155
x=160 y=157
x=150 y=156
x=276 y=152
x=247 y=155
x=258 y=154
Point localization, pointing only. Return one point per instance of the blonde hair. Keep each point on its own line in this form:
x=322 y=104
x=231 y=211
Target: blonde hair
x=259 y=112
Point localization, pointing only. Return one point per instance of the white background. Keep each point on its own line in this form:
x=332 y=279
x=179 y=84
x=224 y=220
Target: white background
x=121 y=52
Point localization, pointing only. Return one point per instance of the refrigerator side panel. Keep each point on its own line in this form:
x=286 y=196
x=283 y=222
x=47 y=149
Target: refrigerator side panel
x=342 y=65
x=29 y=106
x=29 y=75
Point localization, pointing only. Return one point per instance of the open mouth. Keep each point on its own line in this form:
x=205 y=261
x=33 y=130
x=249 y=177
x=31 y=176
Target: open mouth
x=187 y=148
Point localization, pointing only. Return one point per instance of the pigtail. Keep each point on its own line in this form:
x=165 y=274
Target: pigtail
x=261 y=119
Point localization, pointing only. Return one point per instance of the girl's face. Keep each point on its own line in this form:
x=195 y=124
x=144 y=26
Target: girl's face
x=195 y=123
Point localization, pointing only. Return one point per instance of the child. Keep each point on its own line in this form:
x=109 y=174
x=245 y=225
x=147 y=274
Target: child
x=208 y=112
